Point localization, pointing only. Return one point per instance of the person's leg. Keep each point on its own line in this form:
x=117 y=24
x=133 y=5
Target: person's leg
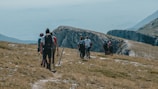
x=44 y=61
x=83 y=52
x=89 y=52
x=53 y=55
x=49 y=57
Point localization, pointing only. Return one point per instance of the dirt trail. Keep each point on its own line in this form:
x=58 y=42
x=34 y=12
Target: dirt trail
x=41 y=83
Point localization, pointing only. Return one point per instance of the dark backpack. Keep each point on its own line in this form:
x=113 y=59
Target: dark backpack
x=81 y=45
x=48 y=41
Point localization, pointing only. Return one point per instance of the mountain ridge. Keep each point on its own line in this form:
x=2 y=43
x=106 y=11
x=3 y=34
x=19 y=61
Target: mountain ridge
x=15 y=40
x=145 y=21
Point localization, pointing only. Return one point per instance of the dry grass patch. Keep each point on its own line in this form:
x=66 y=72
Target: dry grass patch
x=144 y=50
x=20 y=68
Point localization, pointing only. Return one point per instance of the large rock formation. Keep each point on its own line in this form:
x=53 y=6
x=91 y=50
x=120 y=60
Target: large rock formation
x=69 y=37
x=135 y=36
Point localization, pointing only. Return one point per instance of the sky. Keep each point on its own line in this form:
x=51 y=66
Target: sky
x=25 y=19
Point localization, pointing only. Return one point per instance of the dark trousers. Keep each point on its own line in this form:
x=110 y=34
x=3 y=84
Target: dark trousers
x=82 y=52
x=47 y=52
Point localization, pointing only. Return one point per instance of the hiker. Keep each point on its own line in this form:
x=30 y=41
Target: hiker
x=47 y=42
x=38 y=49
x=54 y=48
x=110 y=47
x=88 y=45
x=39 y=42
x=81 y=47
x=105 y=46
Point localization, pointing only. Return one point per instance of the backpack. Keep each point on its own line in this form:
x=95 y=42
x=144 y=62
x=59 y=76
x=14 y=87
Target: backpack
x=81 y=45
x=48 y=41
x=54 y=40
x=105 y=46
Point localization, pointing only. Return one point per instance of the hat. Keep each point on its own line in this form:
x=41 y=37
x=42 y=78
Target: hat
x=47 y=30
x=41 y=34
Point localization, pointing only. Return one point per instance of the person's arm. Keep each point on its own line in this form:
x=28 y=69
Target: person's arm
x=41 y=47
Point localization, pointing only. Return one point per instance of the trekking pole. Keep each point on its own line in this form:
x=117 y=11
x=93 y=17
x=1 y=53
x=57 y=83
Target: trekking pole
x=78 y=52
x=60 y=56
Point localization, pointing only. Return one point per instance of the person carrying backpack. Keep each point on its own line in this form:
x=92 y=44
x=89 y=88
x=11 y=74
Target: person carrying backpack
x=110 y=47
x=88 y=45
x=105 y=46
x=46 y=43
x=39 y=41
x=54 y=48
x=81 y=47
x=38 y=49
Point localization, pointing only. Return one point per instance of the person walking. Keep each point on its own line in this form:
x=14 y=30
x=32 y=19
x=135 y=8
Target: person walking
x=46 y=43
x=54 y=49
x=88 y=45
x=110 y=47
x=105 y=46
x=81 y=47
x=38 y=48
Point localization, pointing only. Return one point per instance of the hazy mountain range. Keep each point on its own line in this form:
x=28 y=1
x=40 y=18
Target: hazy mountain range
x=147 y=26
x=145 y=21
x=14 y=40
x=146 y=31
x=150 y=28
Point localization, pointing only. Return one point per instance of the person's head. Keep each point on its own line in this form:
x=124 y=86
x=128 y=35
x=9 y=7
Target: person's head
x=47 y=30
x=41 y=34
x=86 y=37
x=81 y=38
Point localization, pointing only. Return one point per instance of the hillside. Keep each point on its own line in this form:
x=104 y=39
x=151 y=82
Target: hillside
x=20 y=69
x=151 y=28
x=145 y=21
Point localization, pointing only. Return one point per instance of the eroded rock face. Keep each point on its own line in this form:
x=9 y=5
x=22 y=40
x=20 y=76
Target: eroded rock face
x=69 y=37
x=133 y=35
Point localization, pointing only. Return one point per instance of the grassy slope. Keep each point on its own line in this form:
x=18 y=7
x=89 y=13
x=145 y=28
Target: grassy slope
x=143 y=50
x=20 y=68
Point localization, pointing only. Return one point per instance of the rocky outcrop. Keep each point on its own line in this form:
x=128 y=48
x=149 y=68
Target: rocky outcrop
x=69 y=36
x=135 y=36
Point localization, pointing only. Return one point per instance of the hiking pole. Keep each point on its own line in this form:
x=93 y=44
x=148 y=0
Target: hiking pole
x=60 y=56
x=78 y=52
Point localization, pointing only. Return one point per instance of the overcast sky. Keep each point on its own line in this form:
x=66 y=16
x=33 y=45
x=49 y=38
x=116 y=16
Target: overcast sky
x=25 y=19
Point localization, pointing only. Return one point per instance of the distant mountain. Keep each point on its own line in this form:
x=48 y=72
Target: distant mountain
x=145 y=21
x=14 y=40
x=150 y=29
x=135 y=36
x=146 y=34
